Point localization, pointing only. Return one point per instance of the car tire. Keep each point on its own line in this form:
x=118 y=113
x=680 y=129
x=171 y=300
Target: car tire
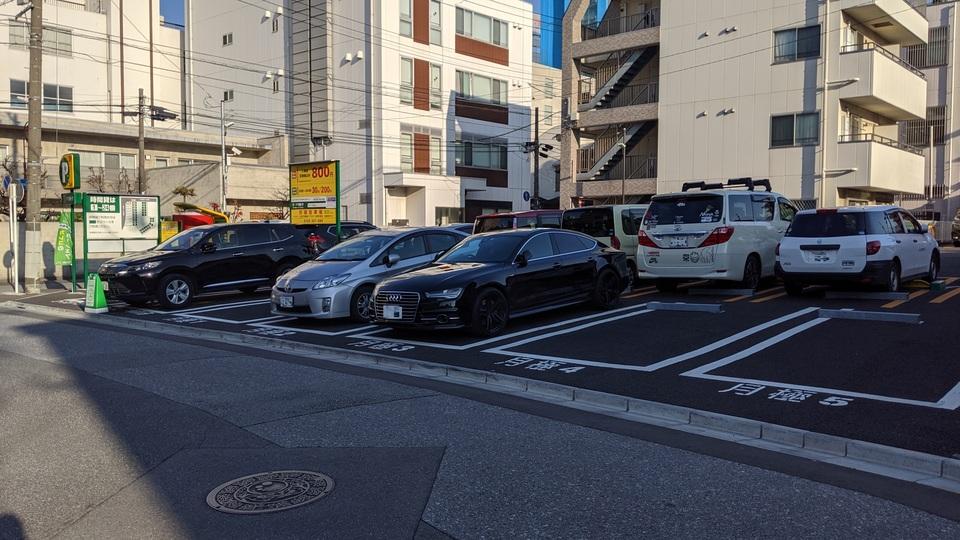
x=361 y=304
x=607 y=290
x=249 y=290
x=752 y=273
x=634 y=275
x=175 y=291
x=956 y=243
x=793 y=288
x=489 y=314
x=893 y=278
x=667 y=285
x=933 y=271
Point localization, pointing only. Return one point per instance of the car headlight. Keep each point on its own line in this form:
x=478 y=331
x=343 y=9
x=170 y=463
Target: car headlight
x=145 y=266
x=330 y=281
x=446 y=294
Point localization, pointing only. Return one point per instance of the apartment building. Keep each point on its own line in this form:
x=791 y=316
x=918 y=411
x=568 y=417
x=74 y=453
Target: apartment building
x=425 y=103
x=546 y=97
x=806 y=93
x=940 y=200
x=238 y=54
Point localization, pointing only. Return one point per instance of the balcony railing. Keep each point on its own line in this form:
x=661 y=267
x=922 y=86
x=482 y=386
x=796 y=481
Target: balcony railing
x=636 y=166
x=871 y=137
x=620 y=25
x=637 y=94
x=874 y=47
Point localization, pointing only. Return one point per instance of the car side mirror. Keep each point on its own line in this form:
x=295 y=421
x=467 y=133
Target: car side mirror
x=208 y=248
x=438 y=254
x=391 y=259
x=523 y=258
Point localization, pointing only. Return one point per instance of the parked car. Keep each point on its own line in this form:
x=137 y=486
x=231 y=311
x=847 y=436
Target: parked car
x=490 y=278
x=710 y=231
x=530 y=219
x=465 y=228
x=876 y=245
x=339 y=282
x=955 y=230
x=616 y=225
x=324 y=237
x=242 y=256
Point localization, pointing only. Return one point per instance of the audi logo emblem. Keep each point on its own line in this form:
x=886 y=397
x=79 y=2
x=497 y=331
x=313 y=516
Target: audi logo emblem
x=393 y=298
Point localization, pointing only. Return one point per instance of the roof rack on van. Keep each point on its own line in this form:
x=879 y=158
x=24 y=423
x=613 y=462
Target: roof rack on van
x=749 y=183
x=687 y=186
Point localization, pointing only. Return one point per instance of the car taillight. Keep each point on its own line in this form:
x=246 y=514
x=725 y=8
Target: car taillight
x=873 y=247
x=614 y=241
x=644 y=240
x=777 y=251
x=719 y=235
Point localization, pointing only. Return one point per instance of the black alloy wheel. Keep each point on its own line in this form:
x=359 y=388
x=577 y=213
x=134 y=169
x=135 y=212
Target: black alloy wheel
x=490 y=313
x=606 y=292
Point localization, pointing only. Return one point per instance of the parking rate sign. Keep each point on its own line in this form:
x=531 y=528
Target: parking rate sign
x=315 y=193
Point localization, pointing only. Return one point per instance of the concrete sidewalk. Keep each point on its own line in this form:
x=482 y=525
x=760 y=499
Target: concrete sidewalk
x=113 y=434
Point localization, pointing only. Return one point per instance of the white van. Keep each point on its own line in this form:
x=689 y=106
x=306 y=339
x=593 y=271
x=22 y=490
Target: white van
x=615 y=225
x=710 y=231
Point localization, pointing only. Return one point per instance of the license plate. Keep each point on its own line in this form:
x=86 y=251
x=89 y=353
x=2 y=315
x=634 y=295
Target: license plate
x=286 y=301
x=678 y=242
x=821 y=257
x=392 y=312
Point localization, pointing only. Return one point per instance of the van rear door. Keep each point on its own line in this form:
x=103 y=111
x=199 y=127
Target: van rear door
x=677 y=225
x=828 y=242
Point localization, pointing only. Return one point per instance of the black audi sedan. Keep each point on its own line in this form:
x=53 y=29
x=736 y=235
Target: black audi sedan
x=241 y=256
x=489 y=278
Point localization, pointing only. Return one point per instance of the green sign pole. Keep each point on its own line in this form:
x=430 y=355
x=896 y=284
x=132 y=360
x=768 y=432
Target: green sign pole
x=86 y=205
x=339 y=238
x=73 y=240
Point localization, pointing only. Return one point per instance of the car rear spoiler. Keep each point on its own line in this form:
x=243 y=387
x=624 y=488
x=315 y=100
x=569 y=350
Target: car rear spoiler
x=747 y=182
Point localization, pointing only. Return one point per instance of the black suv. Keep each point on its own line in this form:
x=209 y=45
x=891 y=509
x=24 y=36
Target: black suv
x=324 y=237
x=225 y=256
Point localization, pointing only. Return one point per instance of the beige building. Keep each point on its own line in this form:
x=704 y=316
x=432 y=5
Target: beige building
x=547 y=98
x=806 y=93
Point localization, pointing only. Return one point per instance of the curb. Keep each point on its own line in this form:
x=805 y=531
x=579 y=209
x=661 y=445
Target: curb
x=901 y=464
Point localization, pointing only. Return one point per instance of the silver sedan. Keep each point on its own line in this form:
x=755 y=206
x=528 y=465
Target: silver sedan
x=339 y=283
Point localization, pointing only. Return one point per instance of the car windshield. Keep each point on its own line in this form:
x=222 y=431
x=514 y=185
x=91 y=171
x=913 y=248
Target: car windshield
x=684 y=210
x=184 y=240
x=827 y=225
x=490 y=224
x=357 y=248
x=484 y=249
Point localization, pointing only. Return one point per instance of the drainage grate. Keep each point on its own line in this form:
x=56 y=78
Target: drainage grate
x=269 y=492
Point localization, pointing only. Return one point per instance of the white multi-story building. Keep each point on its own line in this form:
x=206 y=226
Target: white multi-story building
x=426 y=104
x=239 y=53
x=806 y=93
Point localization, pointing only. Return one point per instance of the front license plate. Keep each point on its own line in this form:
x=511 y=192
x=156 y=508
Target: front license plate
x=286 y=301
x=392 y=312
x=680 y=242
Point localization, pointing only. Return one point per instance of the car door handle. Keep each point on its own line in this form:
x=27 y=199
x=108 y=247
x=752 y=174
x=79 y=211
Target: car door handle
x=557 y=265
x=916 y=241
x=899 y=241
x=278 y=249
x=237 y=254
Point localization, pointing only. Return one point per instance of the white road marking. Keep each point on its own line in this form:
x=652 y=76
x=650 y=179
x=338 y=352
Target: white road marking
x=950 y=401
x=273 y=318
x=504 y=350
x=309 y=330
x=206 y=309
x=495 y=338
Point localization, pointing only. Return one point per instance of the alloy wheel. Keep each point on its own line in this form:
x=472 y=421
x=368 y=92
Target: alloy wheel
x=177 y=292
x=493 y=313
x=609 y=288
x=364 y=306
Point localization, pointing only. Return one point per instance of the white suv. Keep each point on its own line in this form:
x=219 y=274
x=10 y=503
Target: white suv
x=874 y=245
x=713 y=233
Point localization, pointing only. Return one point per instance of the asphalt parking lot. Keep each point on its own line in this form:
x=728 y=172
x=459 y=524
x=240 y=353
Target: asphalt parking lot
x=847 y=363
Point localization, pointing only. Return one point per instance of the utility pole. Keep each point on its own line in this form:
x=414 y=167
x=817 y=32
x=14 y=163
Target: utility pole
x=623 y=167
x=223 y=161
x=141 y=149
x=33 y=259
x=536 y=158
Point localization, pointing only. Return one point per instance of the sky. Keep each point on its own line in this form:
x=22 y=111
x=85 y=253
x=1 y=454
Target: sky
x=172 y=11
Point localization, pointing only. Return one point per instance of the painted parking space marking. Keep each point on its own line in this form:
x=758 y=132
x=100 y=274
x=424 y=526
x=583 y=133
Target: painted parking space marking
x=206 y=309
x=297 y=330
x=895 y=303
x=494 y=339
x=768 y=298
x=945 y=296
x=272 y=318
x=758 y=293
x=505 y=349
x=950 y=401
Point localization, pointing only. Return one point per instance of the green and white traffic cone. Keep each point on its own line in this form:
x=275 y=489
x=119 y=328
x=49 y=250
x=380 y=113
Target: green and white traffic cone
x=96 y=300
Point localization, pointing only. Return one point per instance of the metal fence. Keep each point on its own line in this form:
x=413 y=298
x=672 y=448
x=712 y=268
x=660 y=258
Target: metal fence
x=620 y=25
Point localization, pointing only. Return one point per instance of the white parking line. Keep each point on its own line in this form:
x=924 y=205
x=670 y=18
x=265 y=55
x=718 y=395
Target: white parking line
x=495 y=338
x=206 y=309
x=272 y=318
x=310 y=330
x=504 y=350
x=950 y=401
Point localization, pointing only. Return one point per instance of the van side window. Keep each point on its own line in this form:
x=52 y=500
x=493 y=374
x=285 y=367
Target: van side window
x=787 y=210
x=762 y=207
x=630 y=221
x=911 y=225
x=526 y=223
x=741 y=208
x=550 y=220
x=895 y=220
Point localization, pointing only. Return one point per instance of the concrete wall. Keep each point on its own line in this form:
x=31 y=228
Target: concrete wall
x=244 y=182
x=49 y=242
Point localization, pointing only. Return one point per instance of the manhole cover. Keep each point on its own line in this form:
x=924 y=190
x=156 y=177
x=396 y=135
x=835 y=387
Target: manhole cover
x=269 y=492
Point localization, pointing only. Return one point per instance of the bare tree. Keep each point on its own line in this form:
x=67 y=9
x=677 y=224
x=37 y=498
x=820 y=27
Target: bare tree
x=97 y=179
x=280 y=202
x=9 y=167
x=124 y=184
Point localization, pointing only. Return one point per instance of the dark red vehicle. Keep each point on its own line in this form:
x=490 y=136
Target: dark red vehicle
x=529 y=219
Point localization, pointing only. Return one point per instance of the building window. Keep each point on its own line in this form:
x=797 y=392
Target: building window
x=795 y=129
x=56 y=41
x=482 y=28
x=436 y=165
x=917 y=132
x=19 y=34
x=796 y=44
x=228 y=39
x=228 y=95
x=161 y=162
x=406 y=80
x=18 y=94
x=119 y=161
x=483 y=155
x=436 y=93
x=480 y=88
x=406 y=152
x=435 y=32
x=276 y=24
x=406 y=18
x=57 y=98
x=548 y=115
x=548 y=88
